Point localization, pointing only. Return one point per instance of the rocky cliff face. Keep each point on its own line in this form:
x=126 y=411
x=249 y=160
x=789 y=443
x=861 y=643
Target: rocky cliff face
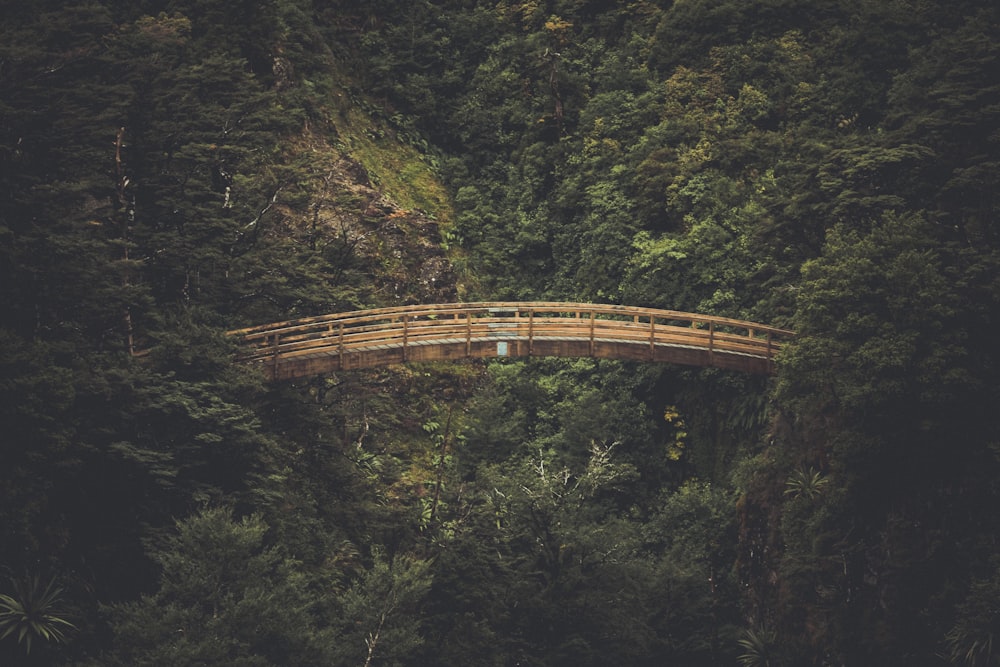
x=401 y=249
x=404 y=246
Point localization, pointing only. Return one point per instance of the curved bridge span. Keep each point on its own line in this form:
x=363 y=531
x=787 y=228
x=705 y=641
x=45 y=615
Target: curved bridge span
x=384 y=336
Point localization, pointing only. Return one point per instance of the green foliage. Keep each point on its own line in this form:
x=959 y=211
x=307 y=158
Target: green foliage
x=675 y=449
x=828 y=167
x=226 y=597
x=896 y=331
x=572 y=560
x=33 y=613
x=382 y=612
x=755 y=645
x=971 y=639
x=805 y=483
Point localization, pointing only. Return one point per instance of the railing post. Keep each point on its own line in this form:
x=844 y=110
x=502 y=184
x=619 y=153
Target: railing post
x=652 y=338
x=711 y=343
x=770 y=362
x=340 y=346
x=468 y=333
x=592 y=316
x=531 y=332
x=406 y=319
x=274 y=357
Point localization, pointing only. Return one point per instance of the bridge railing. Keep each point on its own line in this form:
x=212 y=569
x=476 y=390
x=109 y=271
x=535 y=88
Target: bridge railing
x=449 y=324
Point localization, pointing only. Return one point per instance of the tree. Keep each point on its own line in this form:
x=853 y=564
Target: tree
x=690 y=536
x=883 y=388
x=226 y=597
x=381 y=611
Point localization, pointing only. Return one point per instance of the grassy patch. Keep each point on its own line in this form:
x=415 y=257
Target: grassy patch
x=397 y=169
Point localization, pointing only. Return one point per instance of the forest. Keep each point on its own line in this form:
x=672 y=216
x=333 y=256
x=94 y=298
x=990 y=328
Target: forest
x=171 y=170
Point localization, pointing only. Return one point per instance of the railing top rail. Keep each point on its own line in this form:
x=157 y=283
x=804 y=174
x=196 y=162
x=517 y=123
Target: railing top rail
x=357 y=317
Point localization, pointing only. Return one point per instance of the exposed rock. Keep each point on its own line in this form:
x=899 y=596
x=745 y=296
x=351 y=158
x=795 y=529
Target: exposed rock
x=402 y=249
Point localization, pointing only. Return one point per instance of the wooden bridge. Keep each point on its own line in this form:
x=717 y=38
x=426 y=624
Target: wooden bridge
x=383 y=336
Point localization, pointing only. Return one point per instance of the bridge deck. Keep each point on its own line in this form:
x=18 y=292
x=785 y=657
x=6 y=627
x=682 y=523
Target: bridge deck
x=383 y=336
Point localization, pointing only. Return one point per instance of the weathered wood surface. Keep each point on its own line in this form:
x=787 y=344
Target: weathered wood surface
x=383 y=336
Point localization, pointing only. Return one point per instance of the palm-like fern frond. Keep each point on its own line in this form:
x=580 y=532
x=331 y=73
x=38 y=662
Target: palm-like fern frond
x=803 y=482
x=32 y=613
